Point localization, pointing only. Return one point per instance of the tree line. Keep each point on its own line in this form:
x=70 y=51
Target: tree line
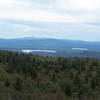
x=28 y=77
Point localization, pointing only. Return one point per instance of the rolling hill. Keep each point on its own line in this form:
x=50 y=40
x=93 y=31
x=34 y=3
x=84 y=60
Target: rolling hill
x=63 y=48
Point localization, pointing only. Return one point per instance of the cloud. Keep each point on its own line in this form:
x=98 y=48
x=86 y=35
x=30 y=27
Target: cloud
x=22 y=28
x=40 y=15
x=13 y=30
x=75 y=11
x=56 y=18
x=79 y=5
x=14 y=2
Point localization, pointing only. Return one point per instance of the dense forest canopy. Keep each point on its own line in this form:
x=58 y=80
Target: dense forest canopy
x=28 y=77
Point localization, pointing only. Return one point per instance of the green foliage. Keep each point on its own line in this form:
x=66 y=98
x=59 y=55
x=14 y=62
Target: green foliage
x=18 y=84
x=27 y=77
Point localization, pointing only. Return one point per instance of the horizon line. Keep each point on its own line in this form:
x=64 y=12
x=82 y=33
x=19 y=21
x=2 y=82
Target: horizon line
x=32 y=37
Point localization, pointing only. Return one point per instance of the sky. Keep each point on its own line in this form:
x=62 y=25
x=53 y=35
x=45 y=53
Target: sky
x=61 y=19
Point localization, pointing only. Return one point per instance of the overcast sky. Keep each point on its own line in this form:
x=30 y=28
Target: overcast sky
x=66 y=19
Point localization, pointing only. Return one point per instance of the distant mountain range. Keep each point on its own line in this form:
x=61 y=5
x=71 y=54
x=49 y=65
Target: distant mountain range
x=52 y=47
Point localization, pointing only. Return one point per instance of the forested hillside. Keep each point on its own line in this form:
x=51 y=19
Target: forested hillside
x=28 y=77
